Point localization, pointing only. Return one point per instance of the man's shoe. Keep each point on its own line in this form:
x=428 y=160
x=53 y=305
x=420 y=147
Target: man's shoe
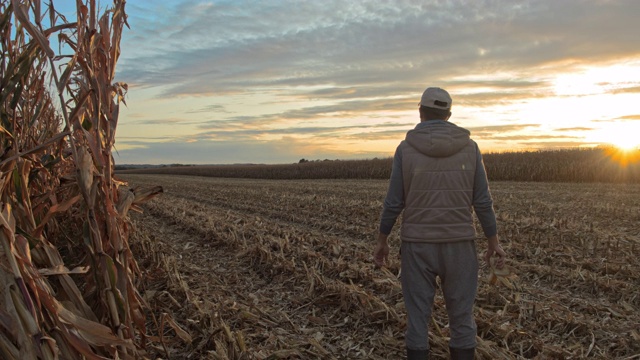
x=462 y=354
x=417 y=354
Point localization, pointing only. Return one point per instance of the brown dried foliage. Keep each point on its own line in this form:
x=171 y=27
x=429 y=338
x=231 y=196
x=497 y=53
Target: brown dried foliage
x=68 y=280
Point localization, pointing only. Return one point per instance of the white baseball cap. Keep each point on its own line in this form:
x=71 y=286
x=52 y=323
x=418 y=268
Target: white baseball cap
x=435 y=97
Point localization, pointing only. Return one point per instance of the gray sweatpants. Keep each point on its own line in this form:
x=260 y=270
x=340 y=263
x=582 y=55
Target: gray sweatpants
x=457 y=266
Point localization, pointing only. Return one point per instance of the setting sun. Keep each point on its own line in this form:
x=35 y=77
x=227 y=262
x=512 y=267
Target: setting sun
x=627 y=144
x=624 y=141
x=623 y=136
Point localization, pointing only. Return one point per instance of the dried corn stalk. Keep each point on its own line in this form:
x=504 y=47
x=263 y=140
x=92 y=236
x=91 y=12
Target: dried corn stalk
x=57 y=189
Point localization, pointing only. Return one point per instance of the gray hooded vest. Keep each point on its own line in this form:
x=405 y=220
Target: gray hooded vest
x=438 y=165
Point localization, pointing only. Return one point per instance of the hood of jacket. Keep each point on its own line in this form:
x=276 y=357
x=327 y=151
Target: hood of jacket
x=438 y=138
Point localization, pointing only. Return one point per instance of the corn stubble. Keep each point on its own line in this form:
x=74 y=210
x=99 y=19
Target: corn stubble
x=68 y=278
x=264 y=269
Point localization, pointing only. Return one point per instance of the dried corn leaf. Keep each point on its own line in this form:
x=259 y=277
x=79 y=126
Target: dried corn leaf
x=94 y=333
x=179 y=331
x=21 y=15
x=60 y=270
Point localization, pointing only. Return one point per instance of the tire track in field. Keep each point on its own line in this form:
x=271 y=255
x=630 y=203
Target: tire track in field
x=344 y=256
x=338 y=256
x=341 y=247
x=329 y=213
x=211 y=271
x=293 y=287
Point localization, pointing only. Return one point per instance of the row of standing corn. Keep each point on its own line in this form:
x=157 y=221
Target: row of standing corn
x=67 y=276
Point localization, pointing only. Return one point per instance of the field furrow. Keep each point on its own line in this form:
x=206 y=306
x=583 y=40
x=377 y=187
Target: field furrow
x=294 y=287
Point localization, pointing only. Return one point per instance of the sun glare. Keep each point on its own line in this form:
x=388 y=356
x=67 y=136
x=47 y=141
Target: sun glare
x=623 y=136
x=623 y=141
x=627 y=144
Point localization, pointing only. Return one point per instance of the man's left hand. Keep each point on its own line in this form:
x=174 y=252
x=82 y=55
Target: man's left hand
x=381 y=252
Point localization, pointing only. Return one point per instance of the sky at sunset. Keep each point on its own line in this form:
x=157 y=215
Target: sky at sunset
x=218 y=82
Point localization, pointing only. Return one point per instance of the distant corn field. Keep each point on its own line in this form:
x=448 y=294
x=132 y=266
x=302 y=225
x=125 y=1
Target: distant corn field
x=572 y=165
x=607 y=165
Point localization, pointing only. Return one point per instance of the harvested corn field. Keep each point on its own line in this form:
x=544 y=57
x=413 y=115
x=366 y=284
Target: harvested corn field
x=265 y=269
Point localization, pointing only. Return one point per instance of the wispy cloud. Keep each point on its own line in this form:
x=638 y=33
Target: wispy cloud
x=384 y=130
x=209 y=109
x=553 y=144
x=167 y=121
x=625 y=118
x=629 y=118
x=576 y=129
x=534 y=137
x=492 y=129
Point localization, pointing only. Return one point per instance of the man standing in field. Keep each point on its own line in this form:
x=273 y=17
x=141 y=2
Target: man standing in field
x=437 y=178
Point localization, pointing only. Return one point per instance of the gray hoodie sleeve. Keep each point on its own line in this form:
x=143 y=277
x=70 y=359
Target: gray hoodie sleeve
x=394 y=202
x=482 y=201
